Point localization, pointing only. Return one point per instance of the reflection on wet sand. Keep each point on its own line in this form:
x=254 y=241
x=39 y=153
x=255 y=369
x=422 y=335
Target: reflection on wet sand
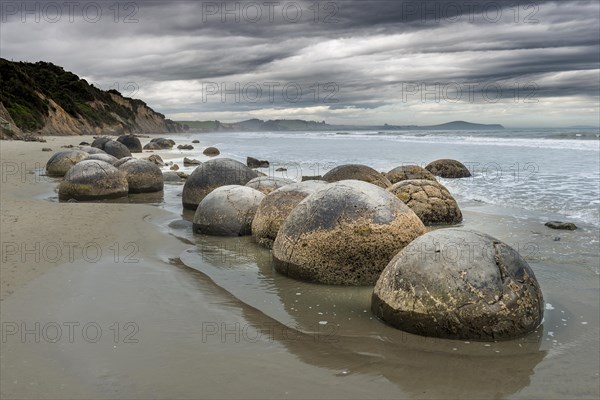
x=332 y=327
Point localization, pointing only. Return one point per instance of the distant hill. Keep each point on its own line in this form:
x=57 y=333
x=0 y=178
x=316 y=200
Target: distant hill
x=43 y=98
x=258 y=125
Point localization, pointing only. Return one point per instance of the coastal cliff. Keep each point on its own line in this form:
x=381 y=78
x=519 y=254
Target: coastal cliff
x=43 y=99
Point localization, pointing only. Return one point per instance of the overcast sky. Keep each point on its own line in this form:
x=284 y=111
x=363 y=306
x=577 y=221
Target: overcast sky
x=514 y=62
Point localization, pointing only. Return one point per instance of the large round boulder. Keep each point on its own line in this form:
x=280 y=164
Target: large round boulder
x=430 y=200
x=448 y=169
x=152 y=146
x=163 y=143
x=142 y=176
x=266 y=184
x=459 y=284
x=406 y=172
x=62 y=161
x=227 y=211
x=357 y=172
x=93 y=180
x=103 y=157
x=116 y=149
x=91 y=150
x=131 y=142
x=211 y=175
x=276 y=207
x=344 y=234
x=100 y=141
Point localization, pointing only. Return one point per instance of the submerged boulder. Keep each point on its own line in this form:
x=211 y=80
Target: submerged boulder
x=357 y=172
x=227 y=211
x=62 y=161
x=131 y=142
x=430 y=200
x=93 y=180
x=276 y=207
x=252 y=162
x=142 y=176
x=406 y=172
x=211 y=175
x=344 y=234
x=459 y=284
x=266 y=184
x=448 y=169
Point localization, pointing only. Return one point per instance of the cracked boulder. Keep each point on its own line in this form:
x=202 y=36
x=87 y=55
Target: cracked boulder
x=227 y=211
x=62 y=161
x=344 y=234
x=406 y=172
x=142 y=176
x=430 y=200
x=93 y=180
x=459 y=284
x=448 y=169
x=357 y=172
x=276 y=207
x=211 y=175
x=266 y=184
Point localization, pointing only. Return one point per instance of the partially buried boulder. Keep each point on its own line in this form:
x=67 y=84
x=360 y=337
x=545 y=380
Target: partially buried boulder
x=93 y=180
x=357 y=172
x=190 y=161
x=100 y=141
x=185 y=147
x=163 y=143
x=91 y=150
x=266 y=184
x=344 y=234
x=211 y=175
x=430 y=200
x=211 y=152
x=252 y=162
x=448 y=169
x=406 y=172
x=142 y=176
x=62 y=161
x=131 y=142
x=227 y=211
x=276 y=207
x=459 y=284
x=116 y=149
x=152 y=146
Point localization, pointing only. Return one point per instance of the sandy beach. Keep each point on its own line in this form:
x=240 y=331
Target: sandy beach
x=164 y=313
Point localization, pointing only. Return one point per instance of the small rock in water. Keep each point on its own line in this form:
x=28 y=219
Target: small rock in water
x=46 y=149
x=281 y=169
x=557 y=239
x=252 y=162
x=561 y=225
x=67 y=146
x=190 y=161
x=174 y=167
x=195 y=141
x=185 y=147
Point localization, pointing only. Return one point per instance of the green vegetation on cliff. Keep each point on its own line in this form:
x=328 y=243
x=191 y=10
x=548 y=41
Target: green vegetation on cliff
x=27 y=91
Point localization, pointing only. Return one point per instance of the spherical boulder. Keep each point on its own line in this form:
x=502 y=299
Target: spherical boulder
x=344 y=234
x=103 y=157
x=116 y=149
x=100 y=141
x=227 y=211
x=211 y=175
x=62 y=161
x=406 y=172
x=122 y=161
x=152 y=146
x=211 y=152
x=357 y=172
x=131 y=142
x=163 y=143
x=91 y=150
x=459 y=284
x=430 y=200
x=93 y=180
x=142 y=176
x=448 y=169
x=276 y=207
x=266 y=184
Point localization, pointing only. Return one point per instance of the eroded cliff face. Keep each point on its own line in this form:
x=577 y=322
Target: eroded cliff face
x=44 y=99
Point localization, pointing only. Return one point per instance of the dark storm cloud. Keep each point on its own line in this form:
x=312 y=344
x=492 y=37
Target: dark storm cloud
x=370 y=49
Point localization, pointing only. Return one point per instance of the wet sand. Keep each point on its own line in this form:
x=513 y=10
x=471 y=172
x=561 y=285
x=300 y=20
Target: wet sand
x=163 y=313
